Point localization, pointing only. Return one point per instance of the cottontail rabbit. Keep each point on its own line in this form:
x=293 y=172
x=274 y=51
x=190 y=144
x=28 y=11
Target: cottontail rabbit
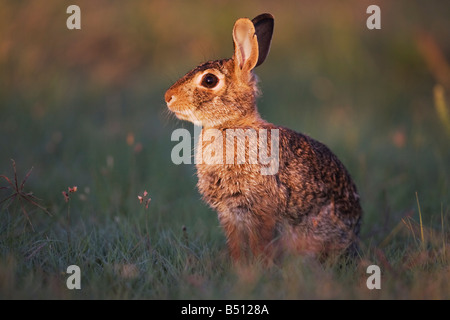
x=304 y=202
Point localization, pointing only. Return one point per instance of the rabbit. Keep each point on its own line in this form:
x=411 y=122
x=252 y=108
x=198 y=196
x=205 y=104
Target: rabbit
x=309 y=205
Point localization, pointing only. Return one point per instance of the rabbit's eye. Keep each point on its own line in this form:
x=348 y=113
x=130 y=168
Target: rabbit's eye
x=209 y=81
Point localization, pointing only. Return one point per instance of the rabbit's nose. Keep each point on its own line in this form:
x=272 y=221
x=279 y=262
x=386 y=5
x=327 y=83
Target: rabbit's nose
x=169 y=97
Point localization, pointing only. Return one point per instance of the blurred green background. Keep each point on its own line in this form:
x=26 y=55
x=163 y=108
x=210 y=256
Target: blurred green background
x=85 y=107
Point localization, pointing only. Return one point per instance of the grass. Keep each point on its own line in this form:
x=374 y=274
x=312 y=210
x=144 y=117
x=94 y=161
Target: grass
x=86 y=109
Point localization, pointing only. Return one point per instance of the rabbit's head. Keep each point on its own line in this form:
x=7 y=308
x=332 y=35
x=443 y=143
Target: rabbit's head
x=223 y=92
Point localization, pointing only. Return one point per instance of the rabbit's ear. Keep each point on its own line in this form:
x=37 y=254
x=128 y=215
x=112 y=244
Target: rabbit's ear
x=245 y=45
x=264 y=29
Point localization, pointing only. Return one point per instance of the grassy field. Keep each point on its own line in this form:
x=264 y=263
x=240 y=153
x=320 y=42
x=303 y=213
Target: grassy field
x=85 y=108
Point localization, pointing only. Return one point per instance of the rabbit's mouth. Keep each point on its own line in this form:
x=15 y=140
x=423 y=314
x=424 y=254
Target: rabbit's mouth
x=183 y=114
x=187 y=115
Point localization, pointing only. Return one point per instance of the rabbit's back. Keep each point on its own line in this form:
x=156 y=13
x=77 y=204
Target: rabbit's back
x=323 y=200
x=315 y=176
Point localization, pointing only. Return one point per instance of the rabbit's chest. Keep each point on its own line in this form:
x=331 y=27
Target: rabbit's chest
x=225 y=187
x=229 y=175
x=228 y=180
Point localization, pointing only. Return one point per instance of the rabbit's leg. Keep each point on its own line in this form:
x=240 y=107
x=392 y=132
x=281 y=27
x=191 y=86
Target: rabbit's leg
x=261 y=237
x=248 y=234
x=236 y=240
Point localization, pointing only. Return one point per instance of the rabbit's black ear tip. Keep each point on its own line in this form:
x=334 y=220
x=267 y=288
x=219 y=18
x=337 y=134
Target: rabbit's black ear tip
x=264 y=16
x=264 y=24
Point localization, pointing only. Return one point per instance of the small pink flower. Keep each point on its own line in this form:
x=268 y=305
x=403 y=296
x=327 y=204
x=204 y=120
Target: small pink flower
x=66 y=196
x=144 y=199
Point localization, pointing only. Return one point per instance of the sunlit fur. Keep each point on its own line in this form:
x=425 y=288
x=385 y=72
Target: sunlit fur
x=310 y=206
x=233 y=103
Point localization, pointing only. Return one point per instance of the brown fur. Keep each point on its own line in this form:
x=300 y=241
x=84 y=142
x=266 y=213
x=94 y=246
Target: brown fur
x=310 y=206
